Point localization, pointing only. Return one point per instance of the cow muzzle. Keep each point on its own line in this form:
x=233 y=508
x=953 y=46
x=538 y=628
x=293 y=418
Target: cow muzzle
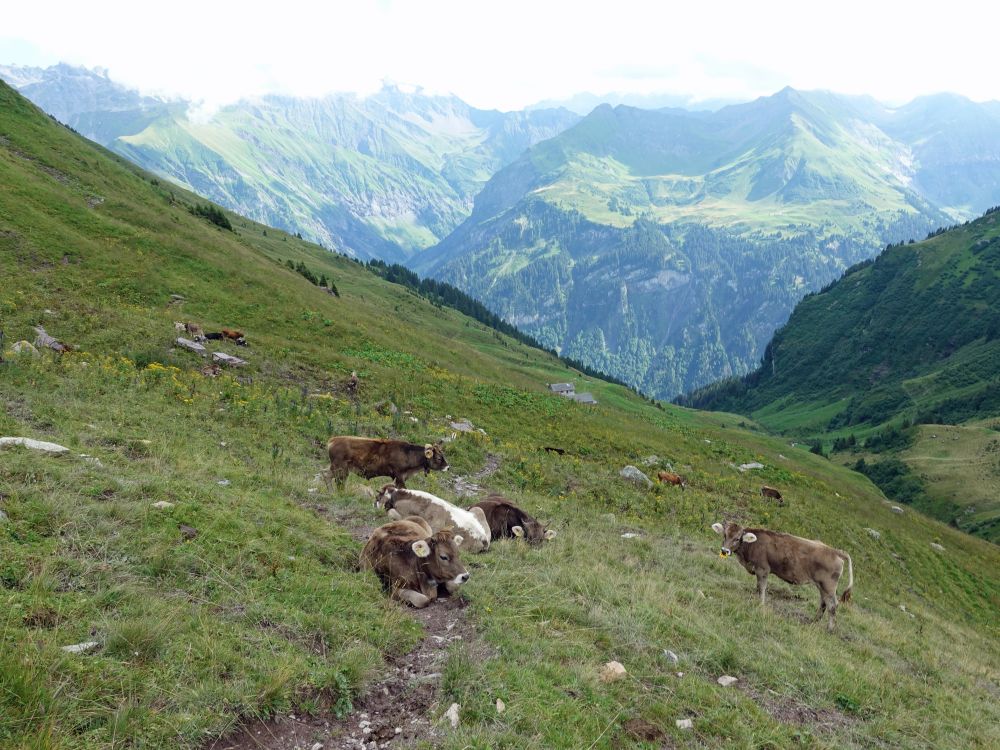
x=725 y=552
x=460 y=579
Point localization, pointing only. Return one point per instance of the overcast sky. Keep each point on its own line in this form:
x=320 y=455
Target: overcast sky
x=511 y=53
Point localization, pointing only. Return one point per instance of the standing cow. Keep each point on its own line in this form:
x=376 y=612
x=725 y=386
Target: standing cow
x=400 y=502
x=669 y=477
x=374 y=457
x=507 y=520
x=412 y=561
x=772 y=493
x=791 y=558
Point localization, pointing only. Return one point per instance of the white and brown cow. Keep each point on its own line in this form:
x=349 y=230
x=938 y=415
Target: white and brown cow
x=400 y=502
x=791 y=558
x=413 y=561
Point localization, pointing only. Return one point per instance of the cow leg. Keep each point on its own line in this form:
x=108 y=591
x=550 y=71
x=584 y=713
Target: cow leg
x=340 y=477
x=327 y=475
x=762 y=587
x=831 y=608
x=400 y=483
x=413 y=598
x=822 y=603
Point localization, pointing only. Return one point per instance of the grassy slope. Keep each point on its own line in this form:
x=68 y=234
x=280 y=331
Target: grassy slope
x=263 y=611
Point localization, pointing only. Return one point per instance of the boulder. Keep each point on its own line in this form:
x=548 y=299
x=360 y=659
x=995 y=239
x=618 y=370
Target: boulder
x=192 y=346
x=23 y=347
x=750 y=466
x=633 y=474
x=228 y=359
x=463 y=425
x=612 y=672
x=35 y=445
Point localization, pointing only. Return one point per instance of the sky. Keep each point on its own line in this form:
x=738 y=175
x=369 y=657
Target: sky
x=512 y=53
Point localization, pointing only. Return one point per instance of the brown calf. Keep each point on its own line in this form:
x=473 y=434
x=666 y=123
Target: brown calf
x=791 y=558
x=670 y=478
x=507 y=520
x=373 y=457
x=770 y=492
x=413 y=562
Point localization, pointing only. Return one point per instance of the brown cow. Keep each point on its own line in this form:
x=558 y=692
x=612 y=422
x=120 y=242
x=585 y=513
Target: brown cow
x=670 y=478
x=374 y=457
x=195 y=331
x=771 y=492
x=791 y=558
x=507 y=520
x=413 y=562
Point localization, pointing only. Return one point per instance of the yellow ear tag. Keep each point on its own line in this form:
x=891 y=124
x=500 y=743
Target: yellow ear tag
x=421 y=548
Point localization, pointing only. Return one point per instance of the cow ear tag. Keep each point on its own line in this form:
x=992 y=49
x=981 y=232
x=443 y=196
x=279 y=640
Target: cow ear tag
x=458 y=540
x=421 y=548
x=717 y=527
x=518 y=531
x=550 y=534
x=428 y=451
x=749 y=537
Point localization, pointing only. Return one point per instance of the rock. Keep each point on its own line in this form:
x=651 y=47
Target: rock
x=612 y=672
x=228 y=359
x=386 y=408
x=163 y=505
x=452 y=715
x=223 y=483
x=707 y=441
x=3 y=517
x=750 y=466
x=651 y=460
x=317 y=746
x=684 y=724
x=630 y=535
x=35 y=445
x=23 y=347
x=670 y=656
x=783 y=458
x=190 y=345
x=92 y=460
x=175 y=298
x=938 y=547
x=463 y=425
x=727 y=680
x=896 y=509
x=188 y=532
x=81 y=648
x=608 y=517
x=414 y=420
x=633 y=474
x=873 y=534
x=501 y=706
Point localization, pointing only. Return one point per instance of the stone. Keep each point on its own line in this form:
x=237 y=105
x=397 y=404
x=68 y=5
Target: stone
x=223 y=483
x=92 y=460
x=163 y=505
x=873 y=534
x=317 y=746
x=684 y=724
x=612 y=672
x=501 y=706
x=651 y=460
x=463 y=425
x=632 y=474
x=81 y=648
x=35 y=445
x=630 y=535
x=938 y=547
x=3 y=517
x=750 y=466
x=727 y=680
x=23 y=347
x=670 y=656
x=190 y=345
x=228 y=359
x=452 y=715
x=896 y=509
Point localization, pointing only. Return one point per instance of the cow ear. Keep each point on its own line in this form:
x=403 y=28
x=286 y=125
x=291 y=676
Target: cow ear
x=550 y=534
x=429 y=450
x=749 y=537
x=421 y=548
x=458 y=540
x=517 y=531
x=717 y=527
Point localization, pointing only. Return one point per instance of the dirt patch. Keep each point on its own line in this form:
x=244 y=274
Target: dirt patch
x=640 y=729
x=469 y=487
x=788 y=710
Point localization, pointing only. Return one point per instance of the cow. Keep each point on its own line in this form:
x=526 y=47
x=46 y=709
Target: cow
x=374 y=457
x=195 y=331
x=507 y=520
x=771 y=492
x=791 y=558
x=400 y=502
x=413 y=562
x=669 y=477
x=237 y=336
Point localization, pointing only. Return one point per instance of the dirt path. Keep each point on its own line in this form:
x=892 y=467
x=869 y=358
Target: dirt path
x=400 y=708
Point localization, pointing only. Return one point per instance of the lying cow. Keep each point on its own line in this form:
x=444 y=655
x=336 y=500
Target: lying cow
x=770 y=492
x=440 y=514
x=670 y=478
x=412 y=561
x=373 y=457
x=507 y=520
x=791 y=558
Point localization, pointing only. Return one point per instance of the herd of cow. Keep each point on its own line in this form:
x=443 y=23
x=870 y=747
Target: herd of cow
x=416 y=555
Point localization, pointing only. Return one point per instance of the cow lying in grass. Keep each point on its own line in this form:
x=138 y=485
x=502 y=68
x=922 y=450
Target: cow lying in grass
x=412 y=561
x=507 y=520
x=791 y=558
x=372 y=457
x=440 y=514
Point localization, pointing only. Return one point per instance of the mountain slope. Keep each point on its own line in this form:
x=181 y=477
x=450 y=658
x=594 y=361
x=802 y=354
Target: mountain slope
x=745 y=209
x=382 y=176
x=242 y=602
x=913 y=337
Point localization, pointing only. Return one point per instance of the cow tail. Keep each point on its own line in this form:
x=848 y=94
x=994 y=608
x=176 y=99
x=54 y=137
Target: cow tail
x=846 y=596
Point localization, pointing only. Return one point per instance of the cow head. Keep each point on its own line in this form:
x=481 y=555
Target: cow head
x=733 y=537
x=440 y=560
x=435 y=456
x=532 y=531
x=385 y=495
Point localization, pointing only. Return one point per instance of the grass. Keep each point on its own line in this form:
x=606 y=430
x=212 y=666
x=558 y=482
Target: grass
x=263 y=612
